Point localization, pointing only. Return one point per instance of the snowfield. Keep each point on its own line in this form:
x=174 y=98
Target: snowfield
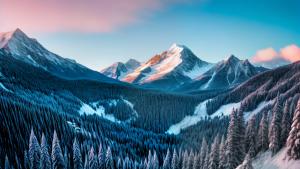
x=100 y=111
x=197 y=70
x=278 y=161
x=201 y=112
x=95 y=108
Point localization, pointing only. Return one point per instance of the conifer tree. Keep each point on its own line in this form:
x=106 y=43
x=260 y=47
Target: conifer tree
x=93 y=162
x=196 y=162
x=34 y=151
x=174 y=162
x=285 y=124
x=101 y=157
x=109 y=163
x=214 y=154
x=275 y=128
x=77 y=159
x=204 y=148
x=190 y=160
x=45 y=161
x=57 y=155
x=222 y=163
x=251 y=137
x=155 y=161
x=233 y=155
x=185 y=160
x=167 y=160
x=293 y=142
x=263 y=140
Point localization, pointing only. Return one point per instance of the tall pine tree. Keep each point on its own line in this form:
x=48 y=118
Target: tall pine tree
x=57 y=155
x=293 y=142
x=45 y=161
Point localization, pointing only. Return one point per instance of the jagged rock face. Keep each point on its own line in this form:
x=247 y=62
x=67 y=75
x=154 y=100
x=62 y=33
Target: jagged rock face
x=225 y=74
x=32 y=52
x=169 y=69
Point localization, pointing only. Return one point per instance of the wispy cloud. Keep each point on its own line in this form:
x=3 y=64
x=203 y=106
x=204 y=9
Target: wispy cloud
x=290 y=53
x=75 y=15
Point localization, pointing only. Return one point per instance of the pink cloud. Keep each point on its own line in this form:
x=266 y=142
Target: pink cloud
x=74 y=15
x=290 y=53
x=264 y=55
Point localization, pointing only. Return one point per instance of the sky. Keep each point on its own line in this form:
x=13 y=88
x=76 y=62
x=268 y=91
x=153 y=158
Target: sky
x=97 y=33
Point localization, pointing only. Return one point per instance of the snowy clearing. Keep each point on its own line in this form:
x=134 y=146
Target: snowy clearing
x=260 y=107
x=100 y=111
x=200 y=112
x=266 y=161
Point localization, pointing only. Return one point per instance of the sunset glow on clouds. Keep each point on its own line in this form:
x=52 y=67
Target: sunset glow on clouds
x=74 y=15
x=289 y=53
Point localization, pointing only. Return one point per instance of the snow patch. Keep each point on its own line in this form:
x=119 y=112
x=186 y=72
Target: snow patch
x=4 y=88
x=278 y=161
x=88 y=110
x=226 y=109
x=199 y=114
x=197 y=70
x=260 y=107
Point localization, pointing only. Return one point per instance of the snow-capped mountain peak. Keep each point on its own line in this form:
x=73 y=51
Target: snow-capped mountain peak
x=30 y=51
x=118 y=70
x=174 y=66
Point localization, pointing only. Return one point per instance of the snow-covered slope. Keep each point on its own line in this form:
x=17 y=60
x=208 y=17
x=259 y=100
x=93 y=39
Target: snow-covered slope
x=225 y=74
x=169 y=69
x=201 y=112
x=278 y=161
x=119 y=70
x=32 y=52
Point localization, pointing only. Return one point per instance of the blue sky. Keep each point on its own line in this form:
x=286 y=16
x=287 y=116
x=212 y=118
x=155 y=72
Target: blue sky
x=212 y=29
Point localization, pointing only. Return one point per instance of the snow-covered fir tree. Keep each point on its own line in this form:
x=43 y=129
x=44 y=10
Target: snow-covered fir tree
x=214 y=154
x=263 y=140
x=167 y=160
x=101 y=157
x=203 y=151
x=93 y=162
x=222 y=159
x=155 y=161
x=77 y=159
x=233 y=155
x=196 y=162
x=293 y=141
x=34 y=151
x=174 y=162
x=57 y=155
x=185 y=160
x=275 y=127
x=251 y=137
x=45 y=161
x=109 y=163
x=285 y=124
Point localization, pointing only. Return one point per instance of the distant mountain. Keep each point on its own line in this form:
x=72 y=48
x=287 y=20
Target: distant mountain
x=32 y=52
x=169 y=69
x=225 y=74
x=119 y=70
x=274 y=63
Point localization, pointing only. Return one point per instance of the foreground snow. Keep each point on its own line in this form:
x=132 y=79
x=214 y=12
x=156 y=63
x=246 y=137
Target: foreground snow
x=201 y=112
x=278 y=161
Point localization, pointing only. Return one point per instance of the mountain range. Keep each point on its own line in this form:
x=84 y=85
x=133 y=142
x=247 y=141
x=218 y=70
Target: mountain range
x=42 y=92
x=179 y=69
